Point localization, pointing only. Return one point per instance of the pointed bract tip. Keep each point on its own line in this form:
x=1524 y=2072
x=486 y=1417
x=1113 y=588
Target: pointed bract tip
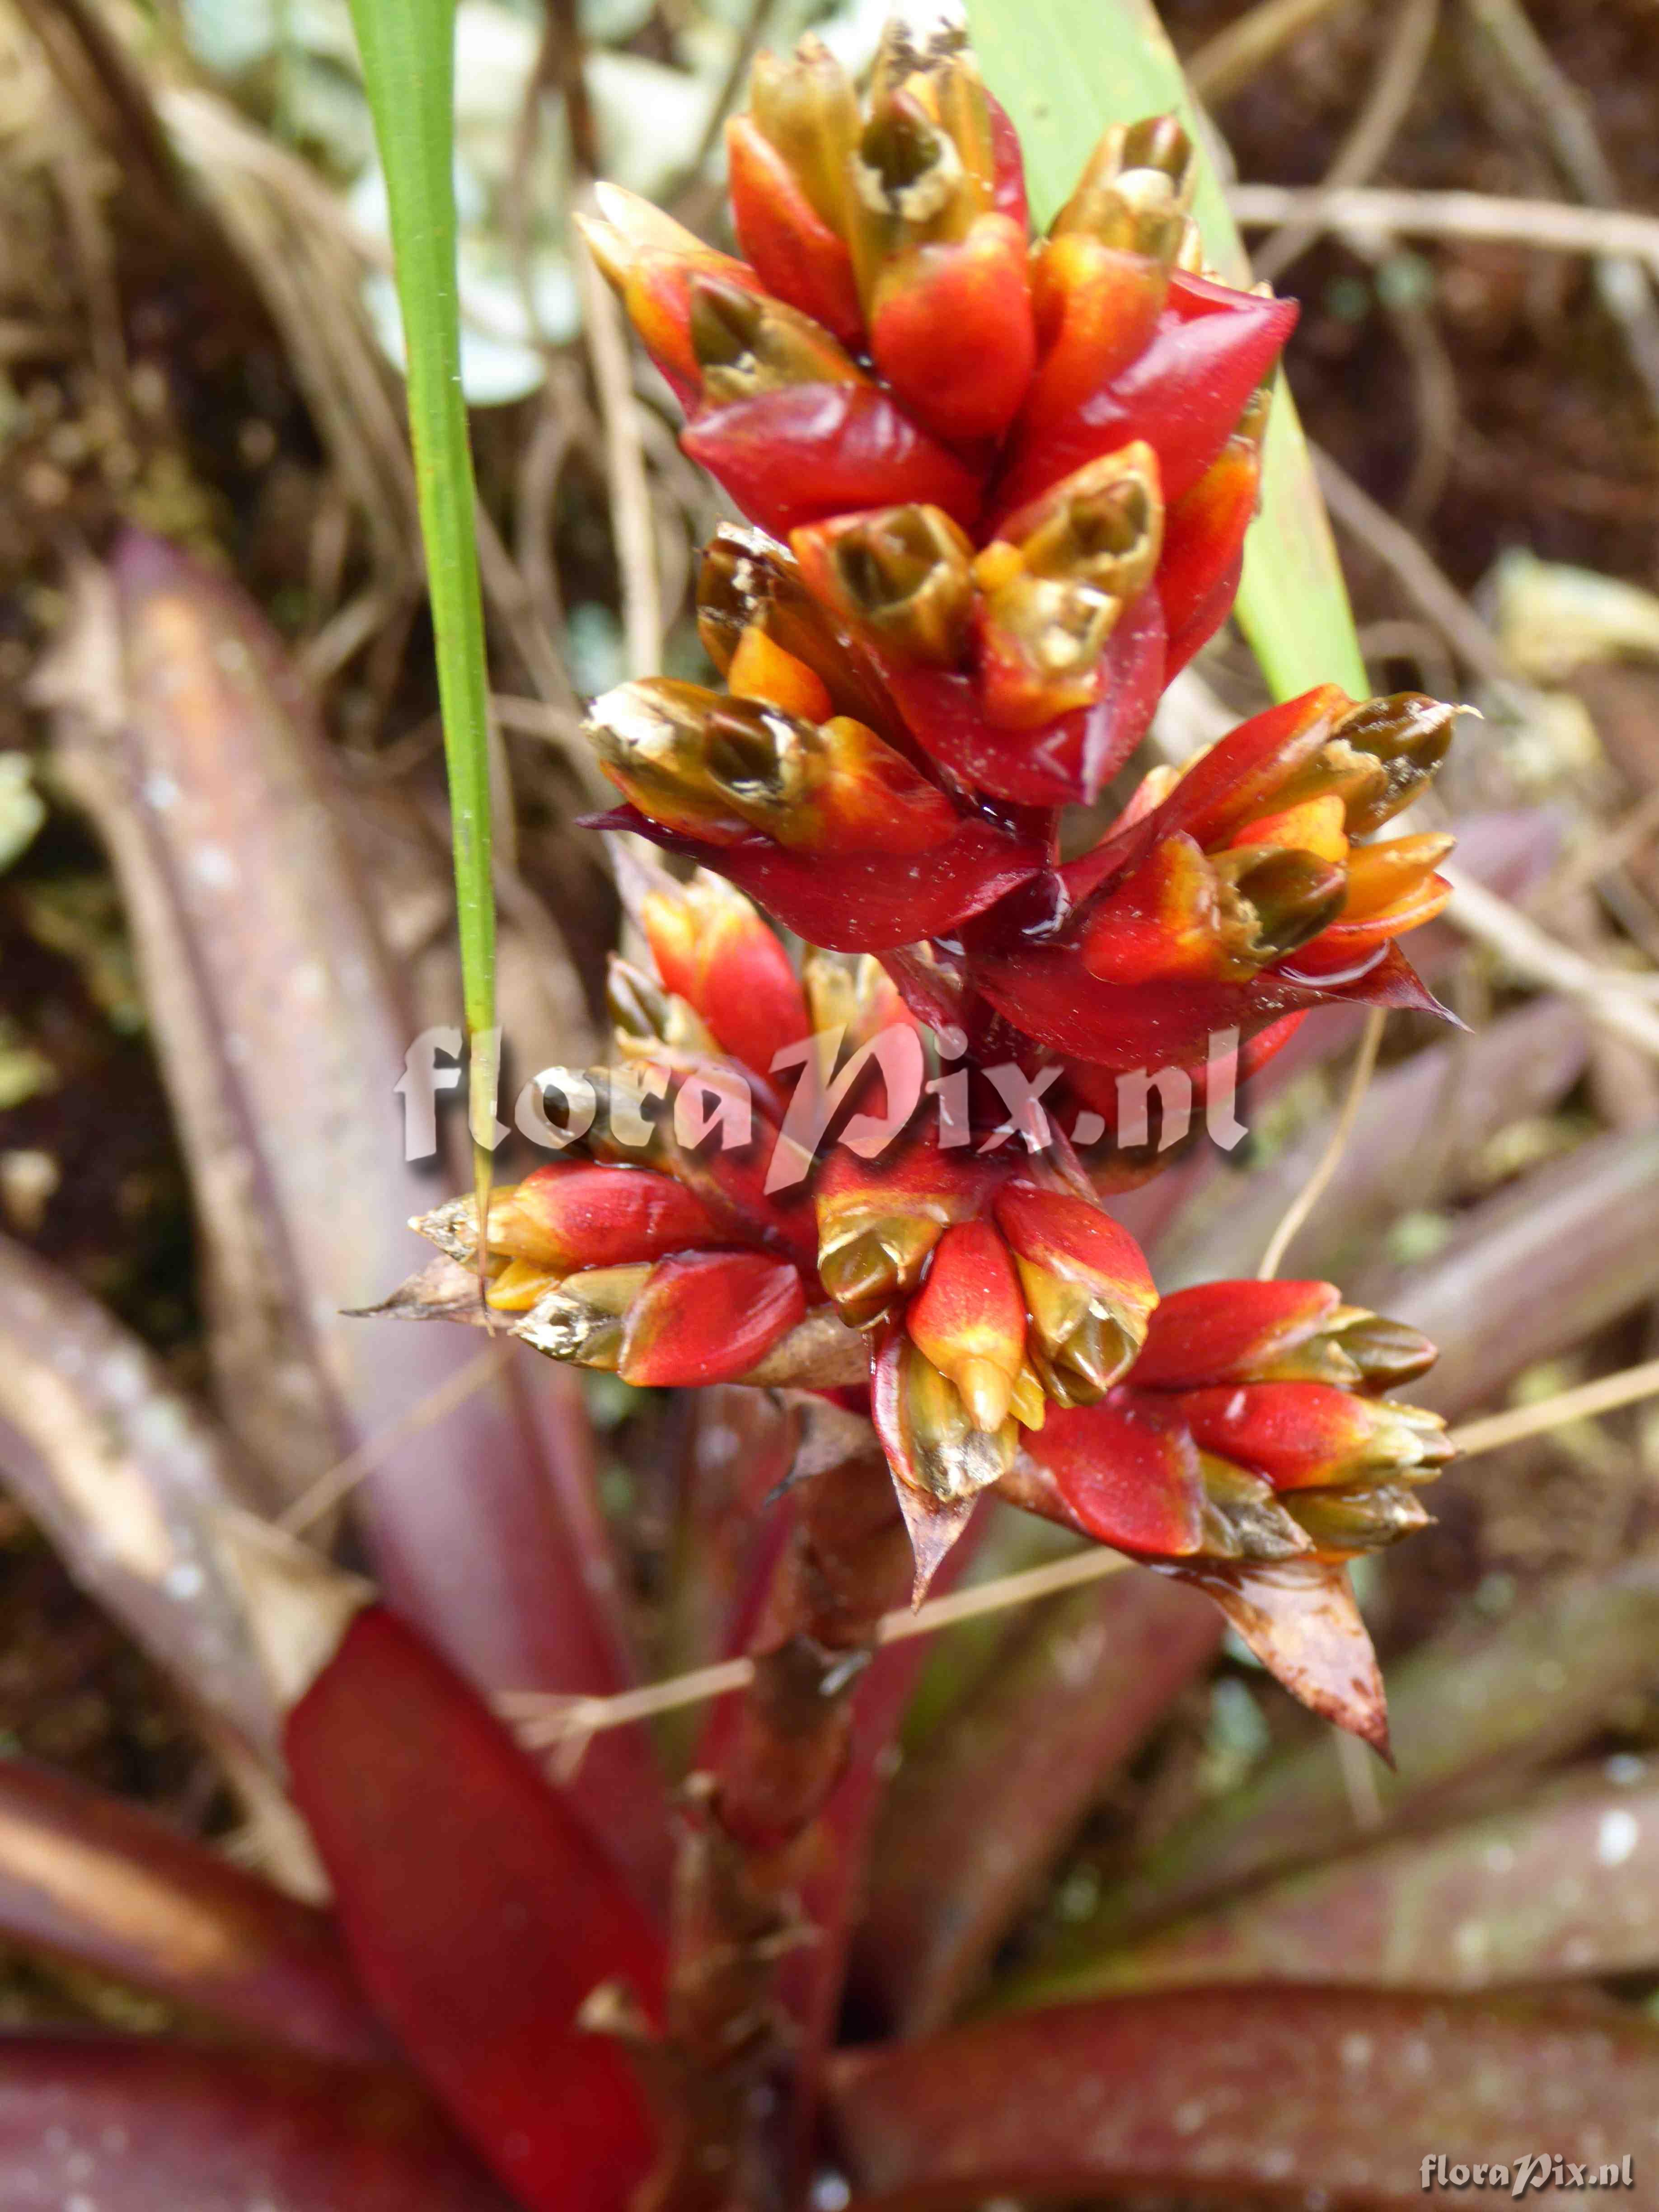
x=934 y=1525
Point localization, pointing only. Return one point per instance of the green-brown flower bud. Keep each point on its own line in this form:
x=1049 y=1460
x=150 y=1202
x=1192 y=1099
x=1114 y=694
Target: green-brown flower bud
x=1358 y=1520
x=1285 y=898
x=1407 y=735
x=904 y=575
x=1136 y=190
x=745 y=342
x=1243 y=1518
x=1054 y=585
x=583 y=1320
x=806 y=106
x=875 y=1263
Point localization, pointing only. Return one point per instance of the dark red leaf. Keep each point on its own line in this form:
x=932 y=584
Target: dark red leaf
x=1045 y=990
x=1281 y=2096
x=1224 y=1332
x=1564 y=1886
x=136 y=2124
x=479 y=1914
x=1534 y=1268
x=208 y=774
x=976 y=1818
x=1471 y=1709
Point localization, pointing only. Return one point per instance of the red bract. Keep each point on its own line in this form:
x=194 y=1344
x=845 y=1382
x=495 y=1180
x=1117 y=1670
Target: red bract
x=704 y=1316
x=860 y=901
x=1184 y=394
x=793 y=457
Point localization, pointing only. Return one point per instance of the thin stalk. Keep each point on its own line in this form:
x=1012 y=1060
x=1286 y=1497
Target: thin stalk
x=408 y=50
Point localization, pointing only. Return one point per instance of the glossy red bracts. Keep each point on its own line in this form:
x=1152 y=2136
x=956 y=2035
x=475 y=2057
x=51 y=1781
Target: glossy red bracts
x=1007 y=483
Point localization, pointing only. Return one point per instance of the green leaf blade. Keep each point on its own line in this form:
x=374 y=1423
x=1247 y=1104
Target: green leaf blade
x=1064 y=69
x=408 y=50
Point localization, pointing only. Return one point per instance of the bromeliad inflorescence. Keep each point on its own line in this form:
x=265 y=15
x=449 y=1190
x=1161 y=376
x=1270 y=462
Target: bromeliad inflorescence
x=998 y=490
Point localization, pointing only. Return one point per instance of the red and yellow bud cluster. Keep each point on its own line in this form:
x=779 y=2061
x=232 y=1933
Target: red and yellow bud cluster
x=1238 y=891
x=627 y=1268
x=653 y=1248
x=990 y=1295
x=1002 y=487
x=1251 y=1426
x=993 y=555
x=800 y=782
x=715 y=952
x=1254 y=849
x=890 y=225
x=1015 y=474
x=1009 y=1329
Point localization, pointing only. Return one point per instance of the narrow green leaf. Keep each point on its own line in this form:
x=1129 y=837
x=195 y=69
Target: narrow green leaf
x=1064 y=69
x=408 y=49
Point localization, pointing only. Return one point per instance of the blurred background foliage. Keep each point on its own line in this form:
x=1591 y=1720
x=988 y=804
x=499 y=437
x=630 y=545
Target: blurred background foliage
x=198 y=337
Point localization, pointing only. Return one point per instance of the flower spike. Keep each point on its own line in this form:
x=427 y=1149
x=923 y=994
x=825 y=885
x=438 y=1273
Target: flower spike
x=999 y=493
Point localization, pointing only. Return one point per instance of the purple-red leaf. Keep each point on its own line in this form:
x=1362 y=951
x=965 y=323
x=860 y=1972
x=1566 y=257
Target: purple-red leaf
x=1438 y=1109
x=91 y=1878
x=126 y=1477
x=1470 y=1708
x=283 y=1030
x=1564 y=1886
x=136 y=2124
x=1288 y=2097
x=1533 y=1269
x=977 y=1816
